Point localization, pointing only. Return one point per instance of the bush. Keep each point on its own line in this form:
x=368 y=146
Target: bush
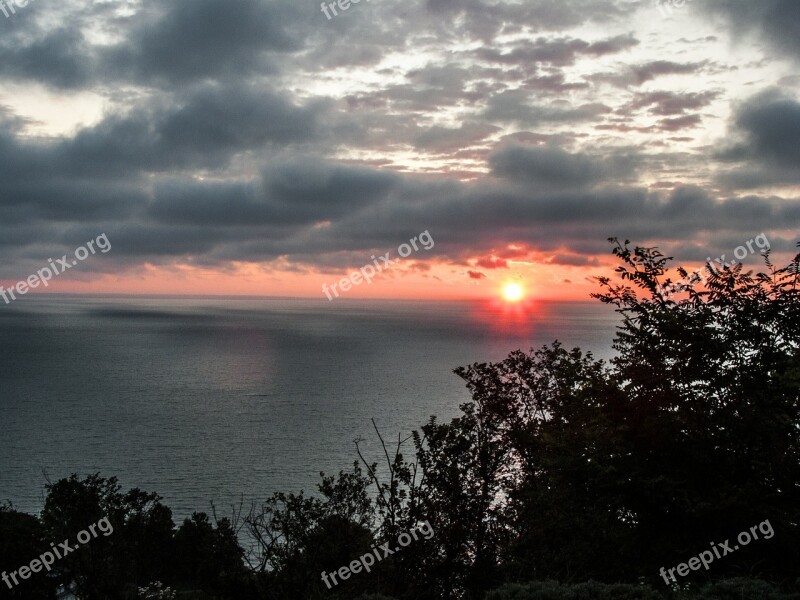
x=745 y=589
x=729 y=589
x=592 y=590
x=22 y=539
x=156 y=591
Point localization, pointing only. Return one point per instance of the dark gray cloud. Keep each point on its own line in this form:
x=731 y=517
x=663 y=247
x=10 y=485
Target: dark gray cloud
x=636 y=75
x=162 y=44
x=763 y=139
x=558 y=51
x=514 y=106
x=233 y=131
x=206 y=38
x=33 y=187
x=485 y=19
x=200 y=128
x=751 y=178
x=777 y=22
x=443 y=139
x=679 y=123
x=287 y=195
x=554 y=168
x=666 y=103
x=60 y=58
x=316 y=213
x=770 y=125
x=553 y=83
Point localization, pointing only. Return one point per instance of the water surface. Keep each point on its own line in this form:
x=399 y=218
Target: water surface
x=209 y=400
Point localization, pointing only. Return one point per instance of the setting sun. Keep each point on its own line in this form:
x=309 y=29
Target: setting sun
x=513 y=292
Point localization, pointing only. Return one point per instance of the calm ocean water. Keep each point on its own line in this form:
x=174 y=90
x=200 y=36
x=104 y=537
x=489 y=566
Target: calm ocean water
x=207 y=400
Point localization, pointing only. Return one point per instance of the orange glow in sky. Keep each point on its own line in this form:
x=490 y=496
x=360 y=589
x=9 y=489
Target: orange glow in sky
x=511 y=288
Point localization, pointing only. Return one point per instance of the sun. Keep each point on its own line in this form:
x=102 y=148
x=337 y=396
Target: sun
x=513 y=292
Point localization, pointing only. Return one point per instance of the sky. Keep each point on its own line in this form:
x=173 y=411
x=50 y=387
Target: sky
x=259 y=147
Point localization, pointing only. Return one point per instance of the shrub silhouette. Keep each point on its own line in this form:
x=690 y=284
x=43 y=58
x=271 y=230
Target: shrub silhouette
x=563 y=477
x=566 y=467
x=22 y=535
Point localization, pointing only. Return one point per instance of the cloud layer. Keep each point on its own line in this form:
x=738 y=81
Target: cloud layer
x=260 y=132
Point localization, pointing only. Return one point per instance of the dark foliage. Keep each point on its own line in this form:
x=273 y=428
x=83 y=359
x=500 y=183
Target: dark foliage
x=22 y=535
x=566 y=467
x=143 y=547
x=733 y=589
x=564 y=477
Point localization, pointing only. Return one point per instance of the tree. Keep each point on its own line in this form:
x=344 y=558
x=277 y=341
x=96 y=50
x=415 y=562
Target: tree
x=22 y=539
x=713 y=388
x=564 y=467
x=210 y=558
x=138 y=551
x=301 y=537
x=561 y=467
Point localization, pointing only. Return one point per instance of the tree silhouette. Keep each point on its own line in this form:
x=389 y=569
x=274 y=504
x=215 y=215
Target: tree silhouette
x=564 y=477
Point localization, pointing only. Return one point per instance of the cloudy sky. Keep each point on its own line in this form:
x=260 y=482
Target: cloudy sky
x=259 y=147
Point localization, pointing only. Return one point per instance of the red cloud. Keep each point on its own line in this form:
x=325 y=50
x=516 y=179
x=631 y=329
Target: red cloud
x=492 y=263
x=420 y=267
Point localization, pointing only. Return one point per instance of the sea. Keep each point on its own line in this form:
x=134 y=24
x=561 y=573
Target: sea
x=226 y=401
